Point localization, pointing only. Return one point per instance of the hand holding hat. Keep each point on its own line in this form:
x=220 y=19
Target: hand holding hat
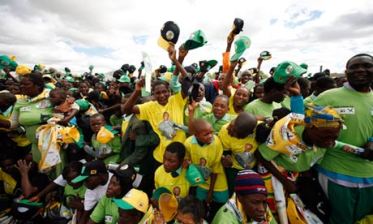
x=265 y=55
x=237 y=25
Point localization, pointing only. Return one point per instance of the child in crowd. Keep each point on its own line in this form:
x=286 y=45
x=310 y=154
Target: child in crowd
x=204 y=149
x=106 y=144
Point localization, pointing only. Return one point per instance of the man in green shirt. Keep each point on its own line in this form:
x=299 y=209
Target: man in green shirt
x=347 y=178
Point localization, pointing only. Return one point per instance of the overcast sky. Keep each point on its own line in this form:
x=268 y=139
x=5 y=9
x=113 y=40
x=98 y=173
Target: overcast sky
x=110 y=33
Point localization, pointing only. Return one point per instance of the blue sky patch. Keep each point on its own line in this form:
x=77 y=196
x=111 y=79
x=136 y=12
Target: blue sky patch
x=298 y=19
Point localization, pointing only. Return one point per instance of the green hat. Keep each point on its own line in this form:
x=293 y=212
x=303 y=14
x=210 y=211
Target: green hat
x=304 y=65
x=241 y=44
x=207 y=65
x=196 y=40
x=6 y=61
x=285 y=70
x=69 y=78
x=73 y=90
x=124 y=79
x=171 y=69
x=83 y=104
x=194 y=176
x=157 y=193
x=92 y=168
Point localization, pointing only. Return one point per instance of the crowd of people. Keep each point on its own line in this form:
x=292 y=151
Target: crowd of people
x=233 y=146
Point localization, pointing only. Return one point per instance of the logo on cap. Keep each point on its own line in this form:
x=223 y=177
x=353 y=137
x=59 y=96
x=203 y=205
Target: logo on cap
x=289 y=70
x=170 y=35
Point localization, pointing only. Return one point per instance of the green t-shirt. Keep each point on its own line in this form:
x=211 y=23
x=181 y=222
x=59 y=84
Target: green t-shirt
x=258 y=107
x=304 y=160
x=357 y=111
x=115 y=145
x=70 y=191
x=286 y=102
x=309 y=99
x=203 y=108
x=105 y=211
x=217 y=124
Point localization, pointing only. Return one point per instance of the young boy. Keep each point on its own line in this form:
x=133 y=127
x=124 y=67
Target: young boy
x=205 y=150
x=238 y=138
x=219 y=116
x=171 y=174
x=105 y=141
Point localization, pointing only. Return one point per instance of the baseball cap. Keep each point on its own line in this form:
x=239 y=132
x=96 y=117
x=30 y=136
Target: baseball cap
x=207 y=65
x=23 y=70
x=197 y=39
x=124 y=79
x=92 y=168
x=265 y=55
x=169 y=35
x=241 y=44
x=194 y=176
x=168 y=206
x=237 y=25
x=134 y=199
x=249 y=182
x=286 y=69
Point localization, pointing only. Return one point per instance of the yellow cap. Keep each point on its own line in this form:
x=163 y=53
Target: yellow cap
x=104 y=135
x=168 y=206
x=134 y=199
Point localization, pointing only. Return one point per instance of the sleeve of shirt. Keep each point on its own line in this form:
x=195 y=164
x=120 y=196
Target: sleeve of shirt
x=296 y=104
x=267 y=153
x=60 y=181
x=223 y=139
x=143 y=109
x=226 y=62
x=217 y=167
x=98 y=214
x=90 y=200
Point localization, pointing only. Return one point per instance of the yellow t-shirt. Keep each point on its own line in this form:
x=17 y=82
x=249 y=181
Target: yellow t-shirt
x=210 y=157
x=237 y=145
x=231 y=99
x=153 y=112
x=179 y=185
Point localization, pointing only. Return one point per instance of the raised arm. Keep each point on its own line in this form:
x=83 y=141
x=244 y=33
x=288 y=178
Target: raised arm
x=228 y=79
x=129 y=107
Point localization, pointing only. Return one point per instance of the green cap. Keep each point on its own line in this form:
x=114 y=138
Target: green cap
x=69 y=78
x=83 y=104
x=194 y=176
x=6 y=61
x=124 y=79
x=157 y=193
x=285 y=70
x=304 y=65
x=241 y=44
x=207 y=65
x=196 y=40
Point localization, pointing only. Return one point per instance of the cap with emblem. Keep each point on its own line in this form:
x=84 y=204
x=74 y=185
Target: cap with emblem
x=286 y=69
x=169 y=34
x=90 y=169
x=134 y=199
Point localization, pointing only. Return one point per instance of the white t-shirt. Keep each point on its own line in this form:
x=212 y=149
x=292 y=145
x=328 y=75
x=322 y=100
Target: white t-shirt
x=91 y=197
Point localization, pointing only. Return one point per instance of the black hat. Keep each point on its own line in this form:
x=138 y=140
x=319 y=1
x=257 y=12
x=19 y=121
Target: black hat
x=169 y=34
x=162 y=69
x=207 y=65
x=131 y=69
x=125 y=67
x=237 y=25
x=89 y=169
